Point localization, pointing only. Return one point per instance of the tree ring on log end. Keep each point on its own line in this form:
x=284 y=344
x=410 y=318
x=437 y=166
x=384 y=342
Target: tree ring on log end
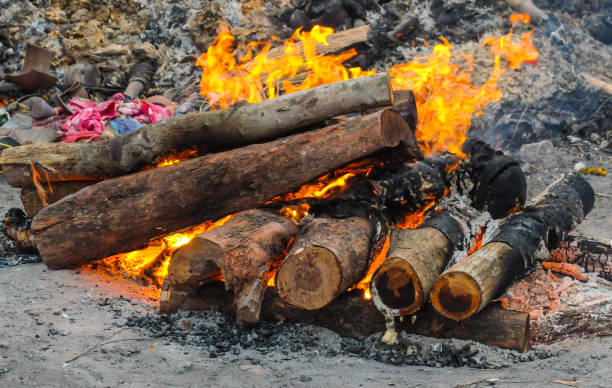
x=194 y=264
x=310 y=278
x=456 y=295
x=398 y=286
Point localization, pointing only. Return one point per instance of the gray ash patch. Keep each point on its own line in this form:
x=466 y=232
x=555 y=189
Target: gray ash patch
x=217 y=334
x=12 y=260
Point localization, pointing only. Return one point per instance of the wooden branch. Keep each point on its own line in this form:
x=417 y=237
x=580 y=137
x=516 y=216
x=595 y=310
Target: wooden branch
x=242 y=250
x=206 y=131
x=520 y=244
x=328 y=256
x=122 y=214
x=336 y=42
x=527 y=6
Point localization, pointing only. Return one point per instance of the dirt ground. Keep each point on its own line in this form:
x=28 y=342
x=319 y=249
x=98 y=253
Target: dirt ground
x=48 y=318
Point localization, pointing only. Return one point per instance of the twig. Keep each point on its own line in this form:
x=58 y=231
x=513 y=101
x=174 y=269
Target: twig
x=518 y=122
x=105 y=342
x=482 y=380
x=604 y=195
x=541 y=170
x=604 y=282
x=565 y=382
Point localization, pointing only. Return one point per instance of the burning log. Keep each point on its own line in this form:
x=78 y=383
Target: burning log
x=130 y=210
x=207 y=131
x=417 y=257
x=352 y=315
x=337 y=41
x=520 y=244
x=31 y=200
x=334 y=251
x=242 y=250
x=329 y=256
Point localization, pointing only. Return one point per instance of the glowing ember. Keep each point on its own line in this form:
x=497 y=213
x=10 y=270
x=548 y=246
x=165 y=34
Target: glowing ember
x=151 y=263
x=175 y=158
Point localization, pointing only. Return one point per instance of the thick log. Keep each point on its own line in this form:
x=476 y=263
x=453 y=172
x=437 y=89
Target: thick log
x=519 y=245
x=328 y=256
x=242 y=251
x=121 y=214
x=353 y=316
x=415 y=259
x=205 y=131
x=31 y=200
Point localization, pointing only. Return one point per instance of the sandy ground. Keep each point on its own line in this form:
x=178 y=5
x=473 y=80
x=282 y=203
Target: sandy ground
x=48 y=317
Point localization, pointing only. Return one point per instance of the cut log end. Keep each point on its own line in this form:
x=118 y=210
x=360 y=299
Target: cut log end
x=394 y=129
x=456 y=295
x=310 y=278
x=398 y=286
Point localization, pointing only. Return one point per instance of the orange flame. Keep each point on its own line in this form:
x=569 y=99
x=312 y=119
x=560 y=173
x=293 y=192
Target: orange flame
x=445 y=96
x=151 y=263
x=227 y=79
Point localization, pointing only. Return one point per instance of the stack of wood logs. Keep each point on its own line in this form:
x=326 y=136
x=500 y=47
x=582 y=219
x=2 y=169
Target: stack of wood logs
x=110 y=200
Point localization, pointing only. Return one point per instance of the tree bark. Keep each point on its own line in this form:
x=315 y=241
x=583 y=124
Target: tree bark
x=121 y=214
x=329 y=256
x=415 y=259
x=206 y=131
x=242 y=251
x=32 y=203
x=519 y=245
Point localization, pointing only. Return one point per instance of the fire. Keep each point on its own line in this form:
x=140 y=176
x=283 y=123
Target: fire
x=228 y=78
x=178 y=157
x=416 y=218
x=445 y=96
x=323 y=187
x=377 y=261
x=151 y=263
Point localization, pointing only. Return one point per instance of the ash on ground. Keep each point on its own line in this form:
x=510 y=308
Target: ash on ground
x=217 y=334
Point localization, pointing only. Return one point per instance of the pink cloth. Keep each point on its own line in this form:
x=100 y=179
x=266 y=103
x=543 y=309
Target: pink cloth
x=90 y=119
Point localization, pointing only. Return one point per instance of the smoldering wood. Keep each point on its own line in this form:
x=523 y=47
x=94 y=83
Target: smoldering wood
x=520 y=244
x=353 y=316
x=32 y=202
x=130 y=210
x=329 y=256
x=417 y=257
x=207 y=131
x=242 y=251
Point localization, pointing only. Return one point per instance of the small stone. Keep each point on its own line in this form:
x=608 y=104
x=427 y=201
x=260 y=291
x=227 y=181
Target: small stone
x=541 y=153
x=304 y=379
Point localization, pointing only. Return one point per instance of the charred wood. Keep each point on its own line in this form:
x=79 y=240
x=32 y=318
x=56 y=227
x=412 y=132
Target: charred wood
x=351 y=315
x=518 y=246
